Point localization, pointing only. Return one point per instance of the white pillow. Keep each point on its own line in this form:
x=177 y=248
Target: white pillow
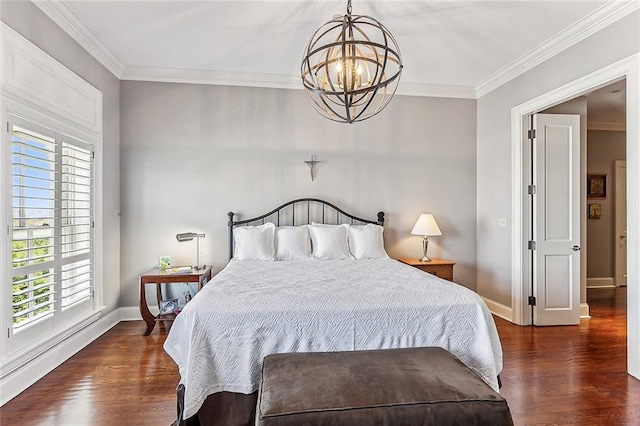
x=293 y=243
x=254 y=242
x=330 y=241
x=367 y=242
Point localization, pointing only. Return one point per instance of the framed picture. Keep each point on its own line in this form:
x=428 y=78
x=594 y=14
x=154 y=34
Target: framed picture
x=595 y=211
x=168 y=306
x=164 y=262
x=597 y=186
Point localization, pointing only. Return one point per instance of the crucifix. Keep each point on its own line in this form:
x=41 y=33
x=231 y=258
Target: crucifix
x=312 y=165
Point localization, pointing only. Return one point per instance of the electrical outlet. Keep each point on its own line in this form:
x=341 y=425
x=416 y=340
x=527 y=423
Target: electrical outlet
x=502 y=222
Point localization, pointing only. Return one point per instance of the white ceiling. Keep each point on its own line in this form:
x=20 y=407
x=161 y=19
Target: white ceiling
x=606 y=107
x=449 y=48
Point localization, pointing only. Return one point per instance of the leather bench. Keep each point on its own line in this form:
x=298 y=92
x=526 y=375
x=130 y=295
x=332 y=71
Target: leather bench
x=413 y=386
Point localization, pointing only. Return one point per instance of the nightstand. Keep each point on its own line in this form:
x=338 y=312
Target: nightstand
x=439 y=267
x=157 y=277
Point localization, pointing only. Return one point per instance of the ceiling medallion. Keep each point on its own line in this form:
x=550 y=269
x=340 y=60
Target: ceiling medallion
x=351 y=68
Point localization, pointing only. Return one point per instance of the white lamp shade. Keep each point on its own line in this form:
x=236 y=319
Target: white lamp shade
x=426 y=225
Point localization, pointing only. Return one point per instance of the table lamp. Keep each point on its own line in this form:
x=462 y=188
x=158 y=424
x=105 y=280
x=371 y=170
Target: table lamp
x=188 y=236
x=427 y=227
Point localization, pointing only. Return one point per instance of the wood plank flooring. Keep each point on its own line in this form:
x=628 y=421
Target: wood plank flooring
x=572 y=374
x=552 y=375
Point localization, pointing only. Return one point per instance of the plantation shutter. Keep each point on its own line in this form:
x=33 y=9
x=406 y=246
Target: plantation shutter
x=76 y=229
x=33 y=249
x=52 y=227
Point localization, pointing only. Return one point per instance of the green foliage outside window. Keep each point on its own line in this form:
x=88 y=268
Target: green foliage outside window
x=20 y=254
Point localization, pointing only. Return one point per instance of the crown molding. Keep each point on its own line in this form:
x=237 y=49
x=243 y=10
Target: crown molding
x=222 y=78
x=64 y=17
x=274 y=81
x=590 y=24
x=436 y=90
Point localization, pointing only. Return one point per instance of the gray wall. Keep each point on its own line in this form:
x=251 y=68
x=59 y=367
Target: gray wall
x=191 y=153
x=31 y=23
x=604 y=148
x=618 y=41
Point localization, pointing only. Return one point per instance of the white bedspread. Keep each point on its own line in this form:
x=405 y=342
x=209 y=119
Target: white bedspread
x=252 y=309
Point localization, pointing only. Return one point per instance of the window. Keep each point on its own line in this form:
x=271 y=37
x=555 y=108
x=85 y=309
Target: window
x=51 y=228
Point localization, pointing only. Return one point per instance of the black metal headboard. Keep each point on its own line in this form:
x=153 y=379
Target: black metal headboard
x=308 y=210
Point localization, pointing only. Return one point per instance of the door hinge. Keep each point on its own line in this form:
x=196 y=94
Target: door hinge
x=93 y=154
x=531 y=189
x=7 y=127
x=531 y=134
x=532 y=245
x=532 y=300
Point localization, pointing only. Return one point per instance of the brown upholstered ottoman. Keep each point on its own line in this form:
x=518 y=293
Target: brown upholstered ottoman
x=414 y=386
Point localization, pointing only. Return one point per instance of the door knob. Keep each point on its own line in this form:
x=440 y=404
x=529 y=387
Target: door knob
x=576 y=248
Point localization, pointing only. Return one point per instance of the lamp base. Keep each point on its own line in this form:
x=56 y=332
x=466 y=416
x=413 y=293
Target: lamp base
x=198 y=267
x=425 y=246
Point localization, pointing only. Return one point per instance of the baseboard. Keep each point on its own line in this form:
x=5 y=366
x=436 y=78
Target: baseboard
x=584 y=310
x=130 y=313
x=600 y=282
x=15 y=382
x=499 y=310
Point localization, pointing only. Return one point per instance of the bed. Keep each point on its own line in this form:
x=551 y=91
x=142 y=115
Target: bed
x=341 y=293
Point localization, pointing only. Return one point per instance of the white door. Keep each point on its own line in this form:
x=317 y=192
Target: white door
x=621 y=223
x=556 y=219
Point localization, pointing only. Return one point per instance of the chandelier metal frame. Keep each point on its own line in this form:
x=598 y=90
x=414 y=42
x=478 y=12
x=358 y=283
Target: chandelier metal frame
x=351 y=68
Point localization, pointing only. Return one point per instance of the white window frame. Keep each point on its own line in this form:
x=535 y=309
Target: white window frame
x=59 y=217
x=37 y=88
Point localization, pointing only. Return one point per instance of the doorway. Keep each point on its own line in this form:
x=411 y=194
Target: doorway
x=624 y=69
x=603 y=202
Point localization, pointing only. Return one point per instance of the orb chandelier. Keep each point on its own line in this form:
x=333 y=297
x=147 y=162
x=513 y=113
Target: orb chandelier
x=351 y=68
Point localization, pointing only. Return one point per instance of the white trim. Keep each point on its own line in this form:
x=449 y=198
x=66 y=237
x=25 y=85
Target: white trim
x=130 y=313
x=34 y=77
x=590 y=24
x=606 y=126
x=24 y=356
x=275 y=81
x=628 y=68
x=436 y=90
x=600 y=282
x=584 y=311
x=498 y=309
x=633 y=217
x=223 y=78
x=70 y=23
x=20 y=378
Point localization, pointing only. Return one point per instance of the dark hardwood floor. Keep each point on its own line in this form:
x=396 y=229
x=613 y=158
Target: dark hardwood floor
x=572 y=374
x=552 y=375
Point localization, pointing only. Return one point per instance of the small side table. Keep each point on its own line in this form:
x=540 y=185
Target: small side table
x=439 y=267
x=157 y=277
